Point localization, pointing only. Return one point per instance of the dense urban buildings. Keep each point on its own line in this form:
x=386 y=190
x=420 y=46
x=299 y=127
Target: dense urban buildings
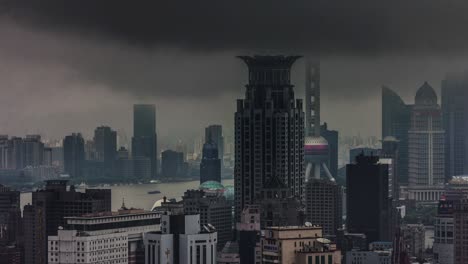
x=144 y=141
x=180 y=241
x=73 y=155
x=369 y=208
x=112 y=237
x=48 y=210
x=396 y=121
x=426 y=146
x=461 y=231
x=455 y=118
x=269 y=131
x=213 y=209
x=210 y=166
x=444 y=233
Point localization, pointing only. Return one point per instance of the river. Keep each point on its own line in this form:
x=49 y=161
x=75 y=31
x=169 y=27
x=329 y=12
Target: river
x=137 y=195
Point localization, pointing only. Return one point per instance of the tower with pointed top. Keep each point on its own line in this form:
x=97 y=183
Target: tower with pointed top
x=269 y=131
x=426 y=146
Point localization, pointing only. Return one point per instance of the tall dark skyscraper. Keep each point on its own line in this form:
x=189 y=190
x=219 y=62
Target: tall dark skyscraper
x=455 y=117
x=269 y=131
x=214 y=134
x=43 y=217
x=73 y=155
x=367 y=197
x=396 y=120
x=210 y=166
x=332 y=138
x=144 y=141
x=105 y=141
x=172 y=164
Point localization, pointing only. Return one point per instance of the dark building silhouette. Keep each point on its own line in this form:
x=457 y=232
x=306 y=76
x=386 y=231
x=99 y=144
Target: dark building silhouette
x=73 y=155
x=173 y=164
x=214 y=134
x=278 y=206
x=269 y=131
x=10 y=216
x=353 y=153
x=105 y=141
x=455 y=118
x=367 y=197
x=210 y=166
x=332 y=138
x=324 y=205
x=49 y=206
x=390 y=151
x=213 y=209
x=396 y=120
x=144 y=141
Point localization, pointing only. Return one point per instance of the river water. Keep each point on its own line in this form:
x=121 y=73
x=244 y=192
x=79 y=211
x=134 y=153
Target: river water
x=137 y=195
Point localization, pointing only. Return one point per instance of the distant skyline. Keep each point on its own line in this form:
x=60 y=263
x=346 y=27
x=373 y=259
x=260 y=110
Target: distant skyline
x=57 y=78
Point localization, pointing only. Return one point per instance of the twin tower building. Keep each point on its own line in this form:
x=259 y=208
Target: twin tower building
x=277 y=145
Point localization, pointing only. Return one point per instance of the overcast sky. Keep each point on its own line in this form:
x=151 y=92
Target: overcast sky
x=71 y=67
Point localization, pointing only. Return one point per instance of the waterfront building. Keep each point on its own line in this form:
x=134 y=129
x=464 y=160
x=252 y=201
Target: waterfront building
x=73 y=155
x=144 y=141
x=210 y=166
x=214 y=135
x=105 y=141
x=173 y=164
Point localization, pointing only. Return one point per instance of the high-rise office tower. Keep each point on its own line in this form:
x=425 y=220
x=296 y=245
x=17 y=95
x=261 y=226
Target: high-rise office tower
x=172 y=164
x=367 y=197
x=33 y=150
x=455 y=117
x=105 y=141
x=210 y=166
x=396 y=117
x=269 y=131
x=316 y=149
x=144 y=141
x=332 y=138
x=73 y=155
x=444 y=233
x=48 y=210
x=214 y=134
x=426 y=141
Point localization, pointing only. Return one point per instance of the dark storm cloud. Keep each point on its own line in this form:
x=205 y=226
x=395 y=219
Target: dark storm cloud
x=337 y=26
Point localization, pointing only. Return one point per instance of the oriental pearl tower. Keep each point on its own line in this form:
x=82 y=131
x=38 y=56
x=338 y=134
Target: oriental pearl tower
x=316 y=151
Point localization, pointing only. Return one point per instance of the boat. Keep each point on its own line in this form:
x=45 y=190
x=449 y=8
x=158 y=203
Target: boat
x=155 y=181
x=154 y=192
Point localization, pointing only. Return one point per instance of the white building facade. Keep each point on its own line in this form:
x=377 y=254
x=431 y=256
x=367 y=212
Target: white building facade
x=181 y=241
x=102 y=238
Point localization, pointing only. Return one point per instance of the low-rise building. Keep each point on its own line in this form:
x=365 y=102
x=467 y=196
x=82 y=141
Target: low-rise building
x=109 y=237
x=298 y=244
x=181 y=241
x=369 y=257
